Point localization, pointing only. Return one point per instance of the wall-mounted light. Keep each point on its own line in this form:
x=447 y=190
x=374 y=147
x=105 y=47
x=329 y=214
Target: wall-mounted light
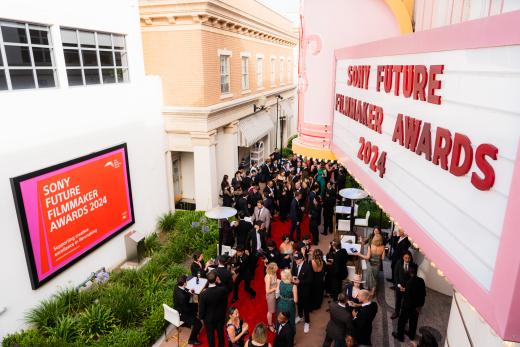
x=260 y=104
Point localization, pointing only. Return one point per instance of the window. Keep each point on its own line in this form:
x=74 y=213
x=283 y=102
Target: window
x=26 y=59
x=245 y=73
x=259 y=71
x=282 y=71
x=94 y=57
x=224 y=74
x=273 y=72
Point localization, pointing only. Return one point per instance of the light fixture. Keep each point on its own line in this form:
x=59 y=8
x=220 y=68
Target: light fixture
x=260 y=104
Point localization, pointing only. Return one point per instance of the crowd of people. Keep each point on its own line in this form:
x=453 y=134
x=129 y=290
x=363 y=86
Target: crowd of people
x=298 y=274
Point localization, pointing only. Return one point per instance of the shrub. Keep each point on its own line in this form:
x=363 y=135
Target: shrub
x=32 y=337
x=151 y=244
x=166 y=222
x=46 y=314
x=96 y=321
x=153 y=325
x=124 y=303
x=124 y=338
x=66 y=329
x=290 y=140
x=287 y=152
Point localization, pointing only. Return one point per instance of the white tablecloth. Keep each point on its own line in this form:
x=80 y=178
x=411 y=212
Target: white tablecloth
x=197 y=288
x=349 y=246
x=343 y=209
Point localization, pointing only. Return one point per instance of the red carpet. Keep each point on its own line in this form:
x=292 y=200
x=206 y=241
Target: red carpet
x=255 y=311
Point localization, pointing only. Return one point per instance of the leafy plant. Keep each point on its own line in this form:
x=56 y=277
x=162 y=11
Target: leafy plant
x=124 y=338
x=66 y=329
x=32 y=337
x=96 y=321
x=290 y=140
x=287 y=152
x=124 y=303
x=151 y=244
x=46 y=314
x=166 y=222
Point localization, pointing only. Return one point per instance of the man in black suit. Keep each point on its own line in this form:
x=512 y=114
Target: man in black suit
x=224 y=275
x=187 y=310
x=339 y=268
x=340 y=323
x=400 y=245
x=315 y=218
x=329 y=203
x=284 y=331
x=252 y=198
x=241 y=204
x=363 y=317
x=256 y=245
x=302 y=278
x=401 y=276
x=242 y=230
x=413 y=301
x=212 y=310
x=242 y=269
x=295 y=215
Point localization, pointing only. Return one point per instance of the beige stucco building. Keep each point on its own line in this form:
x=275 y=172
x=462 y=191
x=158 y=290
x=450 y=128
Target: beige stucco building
x=219 y=60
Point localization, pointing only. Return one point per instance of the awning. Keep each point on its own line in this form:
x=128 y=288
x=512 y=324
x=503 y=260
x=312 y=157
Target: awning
x=253 y=128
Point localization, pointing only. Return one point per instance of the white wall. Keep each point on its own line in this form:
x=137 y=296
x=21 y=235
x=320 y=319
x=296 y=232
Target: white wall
x=45 y=127
x=187 y=180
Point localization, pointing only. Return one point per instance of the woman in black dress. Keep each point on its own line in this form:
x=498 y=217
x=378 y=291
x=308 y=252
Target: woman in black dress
x=227 y=192
x=318 y=270
x=198 y=267
x=236 y=328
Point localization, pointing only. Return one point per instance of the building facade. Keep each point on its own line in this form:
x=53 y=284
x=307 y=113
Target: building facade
x=427 y=122
x=72 y=82
x=227 y=70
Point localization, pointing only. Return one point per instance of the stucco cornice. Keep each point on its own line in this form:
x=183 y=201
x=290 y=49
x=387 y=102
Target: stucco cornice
x=213 y=13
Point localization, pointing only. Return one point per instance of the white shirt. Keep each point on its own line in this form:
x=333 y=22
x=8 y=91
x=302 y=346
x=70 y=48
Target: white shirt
x=366 y=304
x=299 y=269
x=258 y=242
x=280 y=327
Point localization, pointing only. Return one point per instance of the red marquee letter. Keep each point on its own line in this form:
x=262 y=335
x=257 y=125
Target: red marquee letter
x=441 y=152
x=420 y=77
x=380 y=69
x=434 y=84
x=398 y=129
x=461 y=142
x=483 y=151
x=425 y=142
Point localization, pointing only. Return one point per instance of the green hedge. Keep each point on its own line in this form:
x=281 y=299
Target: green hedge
x=127 y=310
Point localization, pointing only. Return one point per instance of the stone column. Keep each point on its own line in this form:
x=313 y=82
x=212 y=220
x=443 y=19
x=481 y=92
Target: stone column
x=205 y=169
x=227 y=151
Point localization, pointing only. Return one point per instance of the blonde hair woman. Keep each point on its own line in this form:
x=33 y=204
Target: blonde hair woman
x=375 y=255
x=288 y=295
x=259 y=337
x=271 y=285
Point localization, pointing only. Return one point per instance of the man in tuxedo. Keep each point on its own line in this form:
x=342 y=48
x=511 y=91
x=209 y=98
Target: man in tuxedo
x=212 y=310
x=296 y=215
x=400 y=245
x=242 y=269
x=247 y=181
x=256 y=245
x=363 y=317
x=339 y=268
x=304 y=246
x=242 y=229
x=401 y=276
x=224 y=275
x=302 y=278
x=262 y=214
x=284 y=331
x=413 y=301
x=340 y=323
x=315 y=218
x=241 y=204
x=187 y=310
x=329 y=203
x=252 y=198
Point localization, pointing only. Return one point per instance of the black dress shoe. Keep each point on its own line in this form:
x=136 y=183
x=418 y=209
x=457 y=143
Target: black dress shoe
x=324 y=234
x=394 y=334
x=195 y=343
x=390 y=280
x=392 y=287
x=407 y=333
x=233 y=301
x=394 y=316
